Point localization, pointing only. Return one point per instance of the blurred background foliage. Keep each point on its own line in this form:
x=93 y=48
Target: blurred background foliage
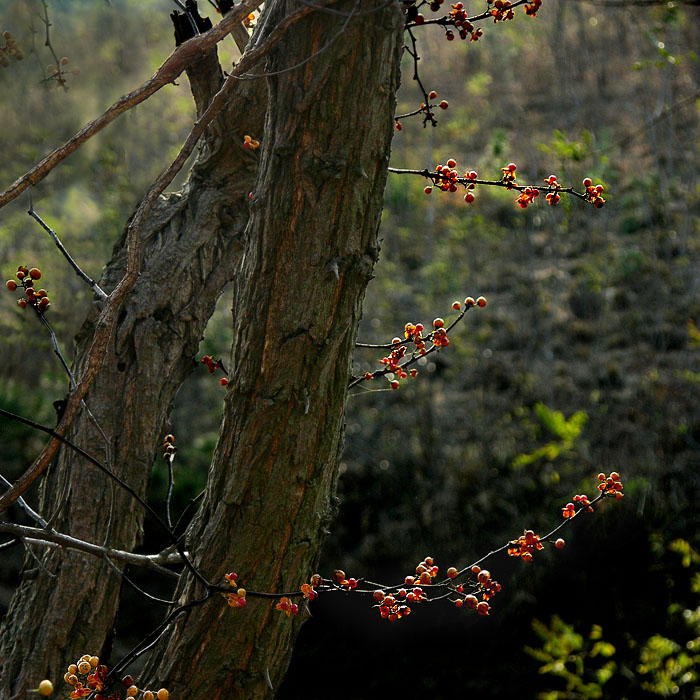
x=587 y=357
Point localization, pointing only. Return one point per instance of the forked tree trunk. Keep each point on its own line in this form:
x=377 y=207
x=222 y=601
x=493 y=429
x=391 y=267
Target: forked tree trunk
x=305 y=260
x=310 y=249
x=190 y=246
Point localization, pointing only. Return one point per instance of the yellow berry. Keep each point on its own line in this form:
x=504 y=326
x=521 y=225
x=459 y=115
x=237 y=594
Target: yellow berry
x=162 y=694
x=94 y=661
x=73 y=668
x=132 y=691
x=45 y=687
x=84 y=667
x=148 y=695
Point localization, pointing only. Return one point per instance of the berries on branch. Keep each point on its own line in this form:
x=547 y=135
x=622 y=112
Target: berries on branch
x=421 y=343
x=471 y=588
x=90 y=678
x=446 y=178
x=212 y=365
x=26 y=279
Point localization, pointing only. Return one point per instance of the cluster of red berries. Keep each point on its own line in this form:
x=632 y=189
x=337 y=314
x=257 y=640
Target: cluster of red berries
x=610 y=485
x=9 y=50
x=460 y=20
x=251 y=143
x=531 y=8
x=169 y=448
x=487 y=586
x=212 y=365
x=286 y=606
x=237 y=598
x=525 y=545
x=425 y=109
x=39 y=299
x=552 y=197
x=414 y=332
x=393 y=607
x=447 y=179
x=89 y=678
x=593 y=193
x=580 y=500
x=339 y=579
x=501 y=11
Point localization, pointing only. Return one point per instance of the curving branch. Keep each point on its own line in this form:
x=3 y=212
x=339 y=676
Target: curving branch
x=183 y=56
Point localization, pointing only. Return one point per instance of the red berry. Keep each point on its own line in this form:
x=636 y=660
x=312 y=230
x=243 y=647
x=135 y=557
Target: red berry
x=444 y=104
x=438 y=323
x=394 y=384
x=35 y=273
x=11 y=285
x=456 y=305
x=452 y=572
x=432 y=94
x=451 y=163
x=469 y=197
x=419 y=19
x=587 y=182
x=428 y=189
x=512 y=167
x=223 y=381
x=449 y=36
x=398 y=126
x=481 y=301
x=559 y=544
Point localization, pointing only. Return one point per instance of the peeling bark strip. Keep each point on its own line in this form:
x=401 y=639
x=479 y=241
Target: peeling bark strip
x=317 y=199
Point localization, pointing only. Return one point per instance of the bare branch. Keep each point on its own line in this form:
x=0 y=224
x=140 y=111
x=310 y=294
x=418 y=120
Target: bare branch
x=51 y=538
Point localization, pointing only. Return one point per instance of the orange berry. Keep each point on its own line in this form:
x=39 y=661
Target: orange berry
x=432 y=94
x=587 y=182
x=425 y=578
x=22 y=303
x=451 y=163
x=148 y=695
x=471 y=601
x=444 y=104
x=452 y=572
x=379 y=596
x=559 y=544
x=456 y=305
x=162 y=694
x=481 y=301
x=483 y=608
x=483 y=576
x=35 y=273
x=438 y=323
x=476 y=569
x=45 y=687
x=11 y=285
x=132 y=692
x=614 y=476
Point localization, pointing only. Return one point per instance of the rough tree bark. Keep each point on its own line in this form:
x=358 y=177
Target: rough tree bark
x=190 y=245
x=300 y=271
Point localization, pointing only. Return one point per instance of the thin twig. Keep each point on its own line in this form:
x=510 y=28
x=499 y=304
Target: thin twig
x=86 y=278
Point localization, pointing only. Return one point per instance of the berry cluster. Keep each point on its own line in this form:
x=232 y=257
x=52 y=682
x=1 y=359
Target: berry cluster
x=399 y=357
x=525 y=545
x=426 y=109
x=237 y=598
x=580 y=499
x=484 y=585
x=169 y=448
x=610 y=485
x=89 y=678
x=531 y=8
x=593 y=193
x=39 y=299
x=447 y=178
x=9 y=50
x=501 y=11
x=212 y=365
x=251 y=143
x=458 y=17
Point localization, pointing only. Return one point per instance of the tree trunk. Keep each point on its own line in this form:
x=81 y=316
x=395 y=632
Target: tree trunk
x=310 y=248
x=190 y=246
